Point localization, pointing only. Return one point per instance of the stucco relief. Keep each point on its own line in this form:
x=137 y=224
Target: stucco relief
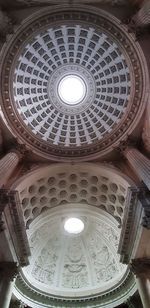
x=103 y=260
x=45 y=265
x=74 y=263
x=108 y=233
x=75 y=273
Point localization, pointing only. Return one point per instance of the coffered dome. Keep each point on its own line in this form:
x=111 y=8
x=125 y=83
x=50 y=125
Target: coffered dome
x=84 y=49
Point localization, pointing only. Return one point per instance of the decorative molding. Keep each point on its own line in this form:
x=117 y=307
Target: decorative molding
x=127 y=288
x=131 y=219
x=31 y=3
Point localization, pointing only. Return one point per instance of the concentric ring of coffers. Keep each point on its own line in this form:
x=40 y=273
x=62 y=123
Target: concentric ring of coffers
x=103 y=54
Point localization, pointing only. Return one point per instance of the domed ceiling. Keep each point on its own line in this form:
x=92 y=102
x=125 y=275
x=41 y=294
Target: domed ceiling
x=74 y=83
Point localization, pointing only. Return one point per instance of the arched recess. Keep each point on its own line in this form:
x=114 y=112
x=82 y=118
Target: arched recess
x=97 y=184
x=98 y=192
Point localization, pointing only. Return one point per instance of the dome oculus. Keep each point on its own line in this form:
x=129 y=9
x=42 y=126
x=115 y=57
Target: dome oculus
x=74 y=225
x=71 y=89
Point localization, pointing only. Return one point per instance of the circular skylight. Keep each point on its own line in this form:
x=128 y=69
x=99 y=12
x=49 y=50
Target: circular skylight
x=74 y=225
x=71 y=89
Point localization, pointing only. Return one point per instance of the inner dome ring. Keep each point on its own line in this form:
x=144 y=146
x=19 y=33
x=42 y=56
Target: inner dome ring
x=72 y=89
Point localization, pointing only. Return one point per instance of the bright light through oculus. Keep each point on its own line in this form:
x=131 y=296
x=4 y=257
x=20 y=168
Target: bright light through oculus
x=71 y=89
x=74 y=225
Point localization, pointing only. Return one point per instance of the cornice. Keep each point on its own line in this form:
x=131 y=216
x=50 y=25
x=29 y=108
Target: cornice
x=119 y=294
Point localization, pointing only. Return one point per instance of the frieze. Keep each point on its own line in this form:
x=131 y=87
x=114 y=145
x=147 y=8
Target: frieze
x=48 y=2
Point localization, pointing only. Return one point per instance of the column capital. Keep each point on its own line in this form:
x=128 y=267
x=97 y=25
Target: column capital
x=129 y=147
x=20 y=149
x=9 y=270
x=140 y=266
x=126 y=144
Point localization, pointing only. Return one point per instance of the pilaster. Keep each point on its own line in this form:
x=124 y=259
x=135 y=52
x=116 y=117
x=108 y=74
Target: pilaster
x=10 y=208
x=141 y=269
x=8 y=272
x=139 y=163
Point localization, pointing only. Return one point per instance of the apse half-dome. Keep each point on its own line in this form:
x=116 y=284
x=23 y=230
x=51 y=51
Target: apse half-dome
x=83 y=267
x=109 y=76
x=73 y=266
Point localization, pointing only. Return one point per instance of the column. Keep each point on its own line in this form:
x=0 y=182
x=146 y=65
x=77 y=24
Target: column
x=141 y=269
x=142 y=17
x=129 y=303
x=8 y=271
x=17 y=304
x=139 y=163
x=7 y=165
